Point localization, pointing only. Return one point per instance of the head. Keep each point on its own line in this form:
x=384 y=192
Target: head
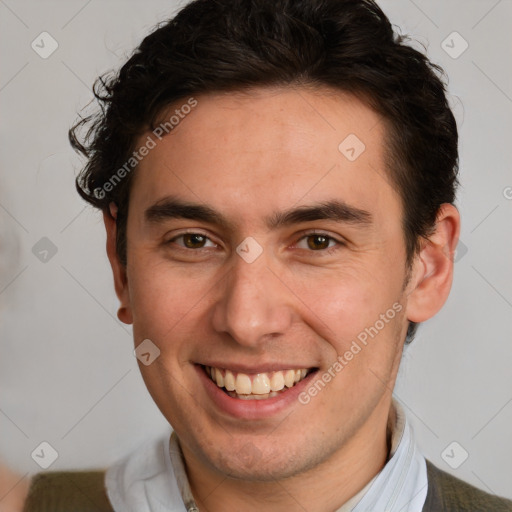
x=277 y=181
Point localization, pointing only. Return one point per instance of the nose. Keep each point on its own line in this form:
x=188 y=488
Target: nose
x=254 y=305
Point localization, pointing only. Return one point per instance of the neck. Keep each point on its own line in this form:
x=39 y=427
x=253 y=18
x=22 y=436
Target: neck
x=326 y=486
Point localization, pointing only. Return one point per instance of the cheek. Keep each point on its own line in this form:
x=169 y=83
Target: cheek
x=353 y=304
x=162 y=299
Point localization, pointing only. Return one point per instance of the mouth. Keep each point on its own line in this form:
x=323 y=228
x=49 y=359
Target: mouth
x=256 y=386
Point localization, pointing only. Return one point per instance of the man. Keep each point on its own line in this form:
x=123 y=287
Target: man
x=277 y=182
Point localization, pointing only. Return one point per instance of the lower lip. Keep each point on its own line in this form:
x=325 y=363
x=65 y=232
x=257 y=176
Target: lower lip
x=252 y=409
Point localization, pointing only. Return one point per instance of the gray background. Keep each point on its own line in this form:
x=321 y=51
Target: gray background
x=67 y=372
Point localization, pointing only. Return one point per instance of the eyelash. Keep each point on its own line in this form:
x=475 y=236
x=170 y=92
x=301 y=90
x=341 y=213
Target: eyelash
x=304 y=236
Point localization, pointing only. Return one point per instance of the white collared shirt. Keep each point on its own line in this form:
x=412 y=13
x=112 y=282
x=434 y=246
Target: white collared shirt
x=153 y=478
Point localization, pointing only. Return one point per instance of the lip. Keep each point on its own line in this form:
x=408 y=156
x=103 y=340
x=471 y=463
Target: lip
x=252 y=409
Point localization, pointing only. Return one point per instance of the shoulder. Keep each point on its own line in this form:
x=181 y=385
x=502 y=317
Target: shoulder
x=449 y=494
x=68 y=491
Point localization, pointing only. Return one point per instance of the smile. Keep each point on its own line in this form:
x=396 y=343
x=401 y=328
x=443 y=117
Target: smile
x=256 y=386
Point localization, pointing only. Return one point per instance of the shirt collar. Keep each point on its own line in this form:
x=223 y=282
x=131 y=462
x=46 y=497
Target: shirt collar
x=401 y=485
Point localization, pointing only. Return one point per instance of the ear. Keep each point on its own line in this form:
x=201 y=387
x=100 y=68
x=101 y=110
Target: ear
x=432 y=273
x=118 y=269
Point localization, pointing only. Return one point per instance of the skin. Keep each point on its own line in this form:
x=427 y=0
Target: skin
x=13 y=490
x=248 y=156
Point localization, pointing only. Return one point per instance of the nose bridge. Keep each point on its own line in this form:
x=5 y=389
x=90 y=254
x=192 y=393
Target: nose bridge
x=254 y=303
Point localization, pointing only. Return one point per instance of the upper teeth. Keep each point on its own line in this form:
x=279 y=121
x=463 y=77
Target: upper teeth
x=257 y=383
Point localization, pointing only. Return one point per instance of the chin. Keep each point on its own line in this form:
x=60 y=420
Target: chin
x=252 y=462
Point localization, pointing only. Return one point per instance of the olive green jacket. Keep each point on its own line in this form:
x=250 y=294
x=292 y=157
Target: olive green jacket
x=84 y=491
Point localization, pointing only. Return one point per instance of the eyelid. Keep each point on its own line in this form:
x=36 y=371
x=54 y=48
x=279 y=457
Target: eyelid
x=321 y=232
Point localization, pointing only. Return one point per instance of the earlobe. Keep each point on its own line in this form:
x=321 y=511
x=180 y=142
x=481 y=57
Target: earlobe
x=124 y=315
x=432 y=273
x=118 y=269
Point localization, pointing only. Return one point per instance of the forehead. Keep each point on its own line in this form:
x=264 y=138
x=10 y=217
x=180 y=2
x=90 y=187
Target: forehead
x=268 y=149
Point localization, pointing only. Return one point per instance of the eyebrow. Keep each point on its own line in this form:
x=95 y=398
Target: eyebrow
x=336 y=210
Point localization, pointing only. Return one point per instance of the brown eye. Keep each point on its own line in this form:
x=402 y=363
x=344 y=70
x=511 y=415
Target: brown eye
x=318 y=242
x=321 y=243
x=194 y=240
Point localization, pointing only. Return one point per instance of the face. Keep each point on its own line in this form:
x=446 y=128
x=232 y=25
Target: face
x=261 y=248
